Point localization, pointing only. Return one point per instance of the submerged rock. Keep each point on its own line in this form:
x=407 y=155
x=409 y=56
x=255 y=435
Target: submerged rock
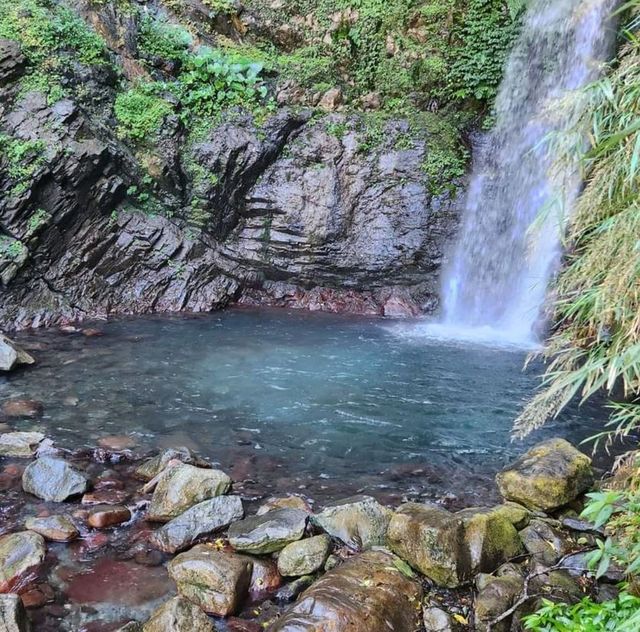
x=205 y=517
x=366 y=594
x=55 y=528
x=151 y=468
x=22 y=408
x=20 y=445
x=431 y=540
x=20 y=554
x=360 y=522
x=216 y=581
x=103 y=516
x=178 y=615
x=304 y=557
x=547 y=477
x=13 y=617
x=268 y=533
x=182 y=487
x=11 y=355
x=53 y=479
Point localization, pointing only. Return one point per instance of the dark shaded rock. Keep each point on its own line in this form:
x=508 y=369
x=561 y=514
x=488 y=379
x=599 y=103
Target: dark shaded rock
x=269 y=532
x=494 y=599
x=582 y=526
x=547 y=477
x=55 y=528
x=546 y=544
x=366 y=594
x=13 y=617
x=206 y=517
x=52 y=479
x=178 y=615
x=360 y=521
x=304 y=557
x=577 y=565
x=431 y=540
x=182 y=487
x=20 y=555
x=22 y=408
x=19 y=444
x=103 y=516
x=216 y=581
x=12 y=61
x=290 y=591
x=11 y=355
x=555 y=585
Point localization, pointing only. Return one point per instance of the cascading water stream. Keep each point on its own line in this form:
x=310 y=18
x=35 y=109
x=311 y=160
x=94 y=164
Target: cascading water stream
x=496 y=284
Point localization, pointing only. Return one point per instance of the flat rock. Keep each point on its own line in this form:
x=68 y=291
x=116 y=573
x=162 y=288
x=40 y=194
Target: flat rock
x=304 y=557
x=216 y=581
x=178 y=615
x=54 y=528
x=360 y=522
x=11 y=355
x=20 y=445
x=268 y=533
x=548 y=476
x=284 y=502
x=103 y=516
x=53 y=479
x=19 y=408
x=151 y=468
x=205 y=517
x=182 y=487
x=13 y=617
x=431 y=540
x=20 y=554
x=368 y=593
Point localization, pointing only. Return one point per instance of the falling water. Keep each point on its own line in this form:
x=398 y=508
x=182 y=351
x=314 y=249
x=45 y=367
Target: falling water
x=498 y=279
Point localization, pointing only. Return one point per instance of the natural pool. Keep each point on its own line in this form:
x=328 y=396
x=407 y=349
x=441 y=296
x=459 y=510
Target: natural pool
x=320 y=404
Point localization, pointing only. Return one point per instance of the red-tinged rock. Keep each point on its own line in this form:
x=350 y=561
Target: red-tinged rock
x=91 y=332
x=22 y=408
x=242 y=625
x=95 y=541
x=264 y=576
x=103 y=516
x=13 y=470
x=21 y=555
x=105 y=497
x=38 y=596
x=117 y=442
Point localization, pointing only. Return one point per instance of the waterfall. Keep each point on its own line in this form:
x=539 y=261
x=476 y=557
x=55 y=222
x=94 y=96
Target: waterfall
x=498 y=277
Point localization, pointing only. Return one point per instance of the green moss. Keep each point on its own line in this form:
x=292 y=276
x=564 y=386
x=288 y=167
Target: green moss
x=20 y=160
x=140 y=112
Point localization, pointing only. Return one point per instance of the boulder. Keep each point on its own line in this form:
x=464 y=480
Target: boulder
x=304 y=557
x=11 y=355
x=151 y=468
x=436 y=620
x=495 y=598
x=20 y=554
x=431 y=540
x=546 y=544
x=368 y=593
x=268 y=533
x=55 y=528
x=13 y=617
x=360 y=522
x=103 y=516
x=182 y=487
x=52 y=479
x=205 y=517
x=547 y=477
x=19 y=445
x=215 y=581
x=490 y=538
x=178 y=615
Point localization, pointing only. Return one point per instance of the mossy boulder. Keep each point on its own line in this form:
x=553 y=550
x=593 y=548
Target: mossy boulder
x=269 y=532
x=490 y=538
x=304 y=557
x=20 y=554
x=182 y=487
x=368 y=593
x=178 y=615
x=431 y=540
x=360 y=521
x=547 y=477
x=216 y=581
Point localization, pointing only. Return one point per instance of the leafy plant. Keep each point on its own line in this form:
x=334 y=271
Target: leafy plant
x=140 y=112
x=159 y=38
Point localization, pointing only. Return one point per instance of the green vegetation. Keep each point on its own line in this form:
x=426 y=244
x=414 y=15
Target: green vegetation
x=159 y=38
x=20 y=159
x=11 y=249
x=140 y=112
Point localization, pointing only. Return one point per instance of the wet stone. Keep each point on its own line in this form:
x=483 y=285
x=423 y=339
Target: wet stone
x=53 y=480
x=19 y=444
x=205 y=517
x=178 y=615
x=284 y=502
x=13 y=617
x=105 y=497
x=264 y=576
x=290 y=591
x=182 y=487
x=304 y=557
x=151 y=468
x=55 y=528
x=117 y=442
x=12 y=355
x=360 y=522
x=268 y=533
x=104 y=516
x=20 y=555
x=214 y=580
x=22 y=408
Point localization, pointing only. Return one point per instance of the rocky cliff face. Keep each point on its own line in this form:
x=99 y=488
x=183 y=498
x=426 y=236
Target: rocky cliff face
x=297 y=211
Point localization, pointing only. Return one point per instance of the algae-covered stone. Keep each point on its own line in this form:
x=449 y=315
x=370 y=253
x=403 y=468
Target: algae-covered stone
x=490 y=538
x=13 y=617
x=516 y=514
x=53 y=479
x=268 y=533
x=178 y=615
x=431 y=540
x=368 y=593
x=547 y=477
x=152 y=467
x=182 y=487
x=304 y=557
x=216 y=581
x=20 y=553
x=55 y=528
x=205 y=517
x=19 y=445
x=360 y=521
